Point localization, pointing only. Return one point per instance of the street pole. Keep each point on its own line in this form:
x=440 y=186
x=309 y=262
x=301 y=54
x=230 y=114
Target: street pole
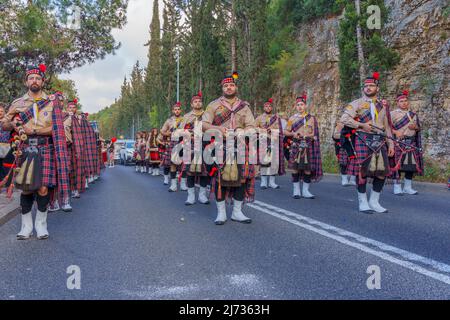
x=178 y=75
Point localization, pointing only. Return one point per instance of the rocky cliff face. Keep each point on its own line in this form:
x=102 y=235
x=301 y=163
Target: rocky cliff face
x=419 y=31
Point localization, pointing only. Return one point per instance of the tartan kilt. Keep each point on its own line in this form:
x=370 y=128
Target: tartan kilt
x=400 y=156
x=204 y=168
x=363 y=157
x=142 y=153
x=167 y=156
x=343 y=157
x=48 y=164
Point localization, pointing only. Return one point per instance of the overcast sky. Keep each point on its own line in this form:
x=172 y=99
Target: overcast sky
x=98 y=84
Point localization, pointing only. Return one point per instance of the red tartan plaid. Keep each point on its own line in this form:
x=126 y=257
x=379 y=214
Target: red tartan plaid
x=400 y=153
x=48 y=164
x=343 y=157
x=314 y=154
x=60 y=149
x=363 y=153
x=78 y=155
x=246 y=172
x=90 y=145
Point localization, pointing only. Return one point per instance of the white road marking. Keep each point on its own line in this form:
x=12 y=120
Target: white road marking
x=440 y=271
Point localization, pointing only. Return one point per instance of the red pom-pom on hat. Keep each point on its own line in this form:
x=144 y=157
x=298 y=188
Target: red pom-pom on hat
x=42 y=68
x=200 y=94
x=405 y=92
x=178 y=104
x=376 y=75
x=75 y=100
x=270 y=100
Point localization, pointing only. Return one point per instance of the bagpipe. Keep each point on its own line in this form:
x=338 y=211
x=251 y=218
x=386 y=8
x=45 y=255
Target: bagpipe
x=347 y=141
x=287 y=142
x=24 y=166
x=382 y=133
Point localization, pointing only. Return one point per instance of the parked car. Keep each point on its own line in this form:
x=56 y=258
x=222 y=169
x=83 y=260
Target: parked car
x=126 y=152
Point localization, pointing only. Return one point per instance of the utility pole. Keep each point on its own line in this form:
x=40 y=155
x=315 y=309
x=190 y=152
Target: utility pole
x=362 y=64
x=178 y=75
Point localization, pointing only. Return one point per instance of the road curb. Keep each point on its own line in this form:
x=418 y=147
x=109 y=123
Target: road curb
x=415 y=182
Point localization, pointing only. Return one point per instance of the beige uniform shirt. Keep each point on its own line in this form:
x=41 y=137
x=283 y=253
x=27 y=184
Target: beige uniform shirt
x=43 y=120
x=191 y=118
x=244 y=118
x=263 y=120
x=172 y=123
x=399 y=114
x=358 y=108
x=68 y=128
x=307 y=130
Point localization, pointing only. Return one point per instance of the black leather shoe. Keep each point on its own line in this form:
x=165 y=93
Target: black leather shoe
x=248 y=221
x=219 y=223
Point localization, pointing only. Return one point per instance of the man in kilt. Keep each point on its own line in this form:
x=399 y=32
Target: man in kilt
x=170 y=126
x=42 y=150
x=408 y=157
x=90 y=147
x=75 y=148
x=196 y=170
x=231 y=180
x=304 y=156
x=372 y=146
x=139 y=148
x=163 y=145
x=269 y=122
x=153 y=152
x=344 y=153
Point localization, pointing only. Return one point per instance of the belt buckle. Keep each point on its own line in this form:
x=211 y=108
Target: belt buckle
x=33 y=142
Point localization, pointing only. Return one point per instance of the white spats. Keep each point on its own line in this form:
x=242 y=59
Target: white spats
x=398 y=189
x=202 y=196
x=263 y=182
x=40 y=225
x=344 y=180
x=221 y=213
x=237 y=214
x=296 y=194
x=408 y=188
x=272 y=183
x=375 y=204
x=363 y=203
x=191 y=197
x=305 y=191
x=27 y=227
x=173 y=185
x=183 y=184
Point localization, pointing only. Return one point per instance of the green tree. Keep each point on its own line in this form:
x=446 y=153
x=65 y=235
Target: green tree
x=153 y=85
x=37 y=32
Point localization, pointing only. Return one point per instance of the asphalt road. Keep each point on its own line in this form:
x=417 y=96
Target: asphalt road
x=131 y=239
